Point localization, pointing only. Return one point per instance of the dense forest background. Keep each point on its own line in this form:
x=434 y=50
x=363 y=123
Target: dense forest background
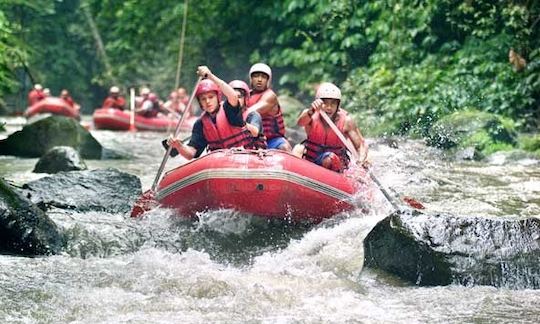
x=402 y=64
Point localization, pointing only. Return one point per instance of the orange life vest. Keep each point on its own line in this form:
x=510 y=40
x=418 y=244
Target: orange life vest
x=223 y=135
x=273 y=125
x=322 y=139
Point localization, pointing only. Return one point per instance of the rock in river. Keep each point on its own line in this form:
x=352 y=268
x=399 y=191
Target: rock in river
x=60 y=158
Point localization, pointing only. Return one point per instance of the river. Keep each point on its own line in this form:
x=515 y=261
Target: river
x=229 y=268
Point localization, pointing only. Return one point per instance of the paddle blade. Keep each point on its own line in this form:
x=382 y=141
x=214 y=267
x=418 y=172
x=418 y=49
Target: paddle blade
x=413 y=203
x=146 y=202
x=132 y=128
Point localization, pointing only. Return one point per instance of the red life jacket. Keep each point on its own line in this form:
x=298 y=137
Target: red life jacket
x=258 y=142
x=111 y=102
x=323 y=139
x=34 y=96
x=223 y=135
x=273 y=125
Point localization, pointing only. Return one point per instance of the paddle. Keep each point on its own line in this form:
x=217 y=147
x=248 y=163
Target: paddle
x=147 y=201
x=132 y=127
x=410 y=201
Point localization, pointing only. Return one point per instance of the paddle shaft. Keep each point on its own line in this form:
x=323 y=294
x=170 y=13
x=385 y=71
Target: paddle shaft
x=176 y=132
x=132 y=109
x=354 y=153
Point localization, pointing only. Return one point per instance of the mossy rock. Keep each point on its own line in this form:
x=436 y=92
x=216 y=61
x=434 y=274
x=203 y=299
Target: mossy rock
x=530 y=142
x=486 y=132
x=37 y=138
x=291 y=108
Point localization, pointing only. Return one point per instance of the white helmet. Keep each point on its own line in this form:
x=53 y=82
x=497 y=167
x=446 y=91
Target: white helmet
x=261 y=67
x=114 y=89
x=328 y=90
x=38 y=86
x=145 y=91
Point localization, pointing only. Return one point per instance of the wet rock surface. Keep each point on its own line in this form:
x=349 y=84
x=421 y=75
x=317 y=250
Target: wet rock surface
x=444 y=249
x=24 y=228
x=37 y=138
x=107 y=190
x=60 y=158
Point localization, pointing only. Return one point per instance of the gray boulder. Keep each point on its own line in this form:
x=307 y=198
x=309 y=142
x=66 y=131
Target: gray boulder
x=444 y=249
x=24 y=228
x=60 y=158
x=107 y=190
x=37 y=138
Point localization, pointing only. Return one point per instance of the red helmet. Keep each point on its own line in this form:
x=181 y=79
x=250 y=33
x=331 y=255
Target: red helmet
x=207 y=85
x=241 y=85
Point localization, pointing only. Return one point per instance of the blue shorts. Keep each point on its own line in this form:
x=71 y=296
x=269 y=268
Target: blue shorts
x=321 y=157
x=276 y=142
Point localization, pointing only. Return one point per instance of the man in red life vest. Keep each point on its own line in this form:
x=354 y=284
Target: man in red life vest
x=174 y=103
x=114 y=100
x=64 y=94
x=150 y=107
x=253 y=119
x=264 y=100
x=322 y=146
x=143 y=95
x=221 y=125
x=35 y=95
x=183 y=95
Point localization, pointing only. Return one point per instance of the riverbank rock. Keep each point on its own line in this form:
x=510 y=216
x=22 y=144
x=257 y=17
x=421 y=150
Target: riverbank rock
x=481 y=131
x=444 y=249
x=107 y=190
x=291 y=108
x=24 y=228
x=60 y=158
x=37 y=138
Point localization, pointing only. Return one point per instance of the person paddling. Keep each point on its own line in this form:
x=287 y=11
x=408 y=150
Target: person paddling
x=66 y=96
x=253 y=119
x=264 y=100
x=221 y=125
x=322 y=145
x=35 y=95
x=114 y=100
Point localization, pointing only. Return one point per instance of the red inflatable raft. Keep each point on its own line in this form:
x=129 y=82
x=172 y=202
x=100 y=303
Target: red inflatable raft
x=115 y=119
x=52 y=105
x=267 y=183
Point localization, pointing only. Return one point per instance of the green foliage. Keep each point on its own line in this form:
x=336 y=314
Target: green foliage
x=402 y=65
x=12 y=54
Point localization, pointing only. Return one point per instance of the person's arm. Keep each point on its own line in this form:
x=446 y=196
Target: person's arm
x=265 y=105
x=196 y=145
x=146 y=106
x=305 y=116
x=228 y=91
x=254 y=123
x=121 y=102
x=234 y=114
x=352 y=132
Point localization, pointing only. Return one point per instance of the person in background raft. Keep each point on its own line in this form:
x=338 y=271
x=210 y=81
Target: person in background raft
x=322 y=146
x=183 y=95
x=220 y=126
x=143 y=95
x=46 y=92
x=35 y=95
x=263 y=100
x=64 y=94
x=114 y=100
x=150 y=107
x=174 y=104
x=253 y=119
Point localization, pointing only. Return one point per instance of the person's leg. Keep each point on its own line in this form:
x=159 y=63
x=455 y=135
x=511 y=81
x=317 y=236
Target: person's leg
x=330 y=161
x=279 y=143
